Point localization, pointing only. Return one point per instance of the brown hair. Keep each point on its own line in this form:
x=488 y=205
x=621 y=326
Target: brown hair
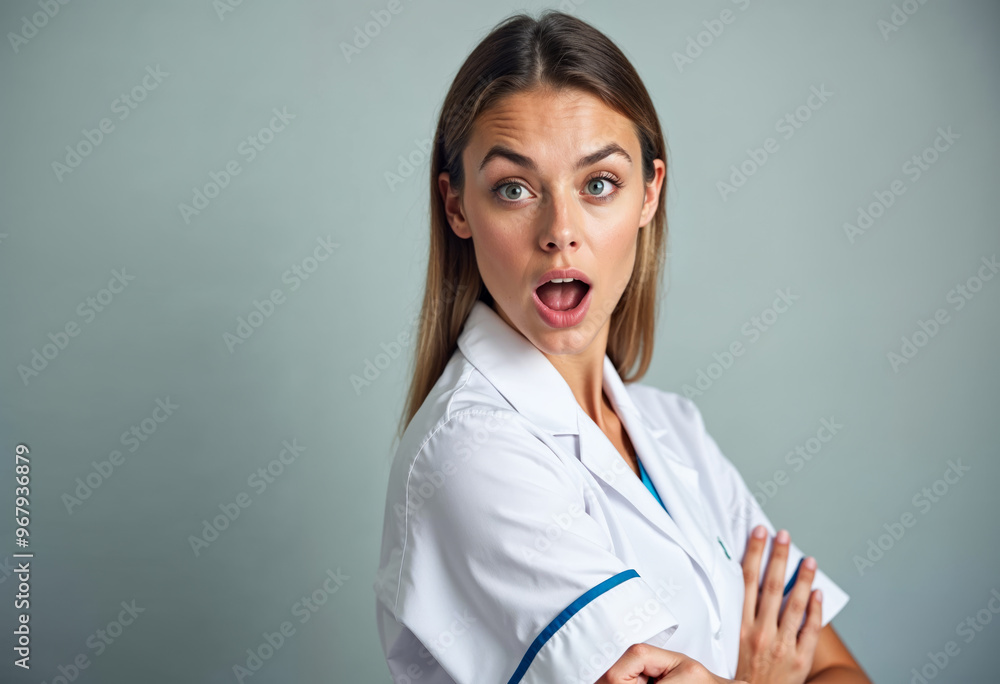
x=521 y=53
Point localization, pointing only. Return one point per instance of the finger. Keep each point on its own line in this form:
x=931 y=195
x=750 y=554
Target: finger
x=643 y=659
x=691 y=670
x=751 y=572
x=809 y=636
x=798 y=601
x=769 y=601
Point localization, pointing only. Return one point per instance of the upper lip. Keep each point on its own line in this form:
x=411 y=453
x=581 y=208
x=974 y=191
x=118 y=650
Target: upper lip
x=563 y=273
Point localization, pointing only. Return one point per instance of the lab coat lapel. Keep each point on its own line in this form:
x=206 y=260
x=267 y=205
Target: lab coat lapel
x=678 y=483
x=601 y=457
x=675 y=482
x=526 y=378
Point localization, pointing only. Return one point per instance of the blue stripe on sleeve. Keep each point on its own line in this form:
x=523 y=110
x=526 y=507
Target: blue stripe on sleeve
x=563 y=617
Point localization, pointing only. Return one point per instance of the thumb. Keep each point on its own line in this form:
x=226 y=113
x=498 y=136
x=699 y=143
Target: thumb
x=654 y=662
x=685 y=669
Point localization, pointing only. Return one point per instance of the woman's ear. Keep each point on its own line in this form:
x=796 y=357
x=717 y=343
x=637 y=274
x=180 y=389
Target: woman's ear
x=651 y=199
x=453 y=206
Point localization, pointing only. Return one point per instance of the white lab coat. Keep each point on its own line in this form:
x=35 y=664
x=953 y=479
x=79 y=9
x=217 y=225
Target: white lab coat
x=518 y=546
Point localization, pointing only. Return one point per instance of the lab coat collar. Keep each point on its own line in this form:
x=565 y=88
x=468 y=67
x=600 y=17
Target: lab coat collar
x=529 y=381
x=518 y=370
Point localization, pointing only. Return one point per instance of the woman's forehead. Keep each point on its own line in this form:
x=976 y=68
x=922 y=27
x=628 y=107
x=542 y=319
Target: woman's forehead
x=544 y=110
x=539 y=124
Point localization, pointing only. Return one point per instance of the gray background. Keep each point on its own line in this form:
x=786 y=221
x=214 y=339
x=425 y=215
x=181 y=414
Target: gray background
x=324 y=175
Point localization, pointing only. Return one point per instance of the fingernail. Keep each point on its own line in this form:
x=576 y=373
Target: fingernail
x=809 y=563
x=759 y=532
x=819 y=595
x=782 y=537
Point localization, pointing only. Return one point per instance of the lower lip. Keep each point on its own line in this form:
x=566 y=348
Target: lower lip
x=563 y=319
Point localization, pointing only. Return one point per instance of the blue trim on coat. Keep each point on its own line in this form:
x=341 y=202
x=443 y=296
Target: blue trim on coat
x=563 y=617
x=794 y=577
x=649 y=484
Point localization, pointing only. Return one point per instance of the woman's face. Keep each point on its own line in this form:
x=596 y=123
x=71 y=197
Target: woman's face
x=542 y=177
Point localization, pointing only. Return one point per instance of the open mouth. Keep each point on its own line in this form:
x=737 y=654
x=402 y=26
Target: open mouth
x=562 y=294
x=562 y=301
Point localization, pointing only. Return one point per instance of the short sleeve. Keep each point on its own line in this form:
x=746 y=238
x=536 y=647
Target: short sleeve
x=503 y=574
x=745 y=513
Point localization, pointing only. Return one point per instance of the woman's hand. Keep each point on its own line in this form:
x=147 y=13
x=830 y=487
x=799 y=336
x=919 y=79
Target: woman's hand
x=773 y=652
x=643 y=659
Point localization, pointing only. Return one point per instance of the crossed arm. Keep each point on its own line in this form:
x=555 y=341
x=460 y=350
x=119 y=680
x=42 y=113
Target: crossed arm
x=833 y=663
x=776 y=652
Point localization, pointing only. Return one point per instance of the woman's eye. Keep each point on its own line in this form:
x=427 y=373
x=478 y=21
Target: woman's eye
x=601 y=183
x=599 y=187
x=506 y=188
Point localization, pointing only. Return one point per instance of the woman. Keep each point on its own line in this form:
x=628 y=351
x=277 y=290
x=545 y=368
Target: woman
x=544 y=521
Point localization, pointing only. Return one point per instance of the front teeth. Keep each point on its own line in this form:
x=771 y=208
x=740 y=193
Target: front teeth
x=562 y=280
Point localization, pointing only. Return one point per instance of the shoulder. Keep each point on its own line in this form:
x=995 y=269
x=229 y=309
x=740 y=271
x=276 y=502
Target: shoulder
x=460 y=389
x=438 y=485
x=481 y=473
x=466 y=444
x=471 y=455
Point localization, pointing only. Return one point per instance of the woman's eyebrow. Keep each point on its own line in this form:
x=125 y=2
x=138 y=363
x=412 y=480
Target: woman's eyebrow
x=528 y=163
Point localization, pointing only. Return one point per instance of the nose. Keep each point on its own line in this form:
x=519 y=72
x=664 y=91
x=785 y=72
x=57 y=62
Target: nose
x=561 y=230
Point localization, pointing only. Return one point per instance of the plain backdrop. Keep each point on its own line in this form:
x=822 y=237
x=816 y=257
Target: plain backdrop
x=879 y=339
